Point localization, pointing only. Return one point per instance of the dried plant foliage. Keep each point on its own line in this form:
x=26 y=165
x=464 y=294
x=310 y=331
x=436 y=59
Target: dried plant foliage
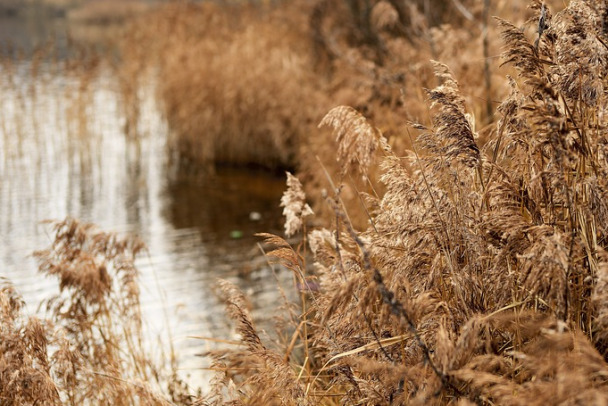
x=234 y=80
x=376 y=57
x=295 y=208
x=90 y=350
x=257 y=366
x=25 y=375
x=481 y=274
x=481 y=277
x=245 y=83
x=357 y=139
x=384 y=16
x=454 y=138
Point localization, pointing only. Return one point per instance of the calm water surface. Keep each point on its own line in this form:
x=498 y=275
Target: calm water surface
x=64 y=152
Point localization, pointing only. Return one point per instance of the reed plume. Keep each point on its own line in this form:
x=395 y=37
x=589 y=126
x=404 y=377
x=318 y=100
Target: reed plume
x=295 y=208
x=357 y=139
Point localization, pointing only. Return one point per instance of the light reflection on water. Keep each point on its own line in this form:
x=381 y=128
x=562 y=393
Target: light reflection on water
x=63 y=152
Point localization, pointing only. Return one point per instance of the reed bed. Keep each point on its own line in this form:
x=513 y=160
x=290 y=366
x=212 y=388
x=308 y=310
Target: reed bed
x=479 y=272
x=234 y=80
x=481 y=276
x=375 y=57
x=89 y=348
x=246 y=82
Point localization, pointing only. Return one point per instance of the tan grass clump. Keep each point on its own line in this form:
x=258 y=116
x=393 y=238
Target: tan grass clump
x=264 y=376
x=481 y=278
x=376 y=57
x=235 y=81
x=25 y=376
x=91 y=348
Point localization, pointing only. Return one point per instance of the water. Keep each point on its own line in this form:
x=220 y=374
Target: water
x=64 y=152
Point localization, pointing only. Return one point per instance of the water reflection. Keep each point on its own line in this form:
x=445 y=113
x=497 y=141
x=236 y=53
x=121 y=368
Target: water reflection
x=229 y=202
x=63 y=151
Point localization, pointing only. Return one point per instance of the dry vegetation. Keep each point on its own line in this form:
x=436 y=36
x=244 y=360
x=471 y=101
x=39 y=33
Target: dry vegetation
x=89 y=350
x=481 y=277
x=234 y=80
x=479 y=274
x=247 y=83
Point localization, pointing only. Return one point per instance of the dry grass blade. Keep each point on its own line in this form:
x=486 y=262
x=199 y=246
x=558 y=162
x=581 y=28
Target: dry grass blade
x=370 y=346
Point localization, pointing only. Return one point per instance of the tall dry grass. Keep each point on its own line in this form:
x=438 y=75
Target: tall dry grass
x=90 y=348
x=376 y=57
x=481 y=276
x=246 y=82
x=234 y=80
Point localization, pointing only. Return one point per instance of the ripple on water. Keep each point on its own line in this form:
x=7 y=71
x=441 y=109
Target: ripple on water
x=53 y=167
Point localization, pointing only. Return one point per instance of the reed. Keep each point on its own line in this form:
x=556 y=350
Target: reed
x=90 y=348
x=479 y=274
x=480 y=277
x=234 y=81
x=245 y=83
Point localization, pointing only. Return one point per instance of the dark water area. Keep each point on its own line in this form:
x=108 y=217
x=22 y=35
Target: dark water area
x=64 y=152
x=30 y=30
x=232 y=200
